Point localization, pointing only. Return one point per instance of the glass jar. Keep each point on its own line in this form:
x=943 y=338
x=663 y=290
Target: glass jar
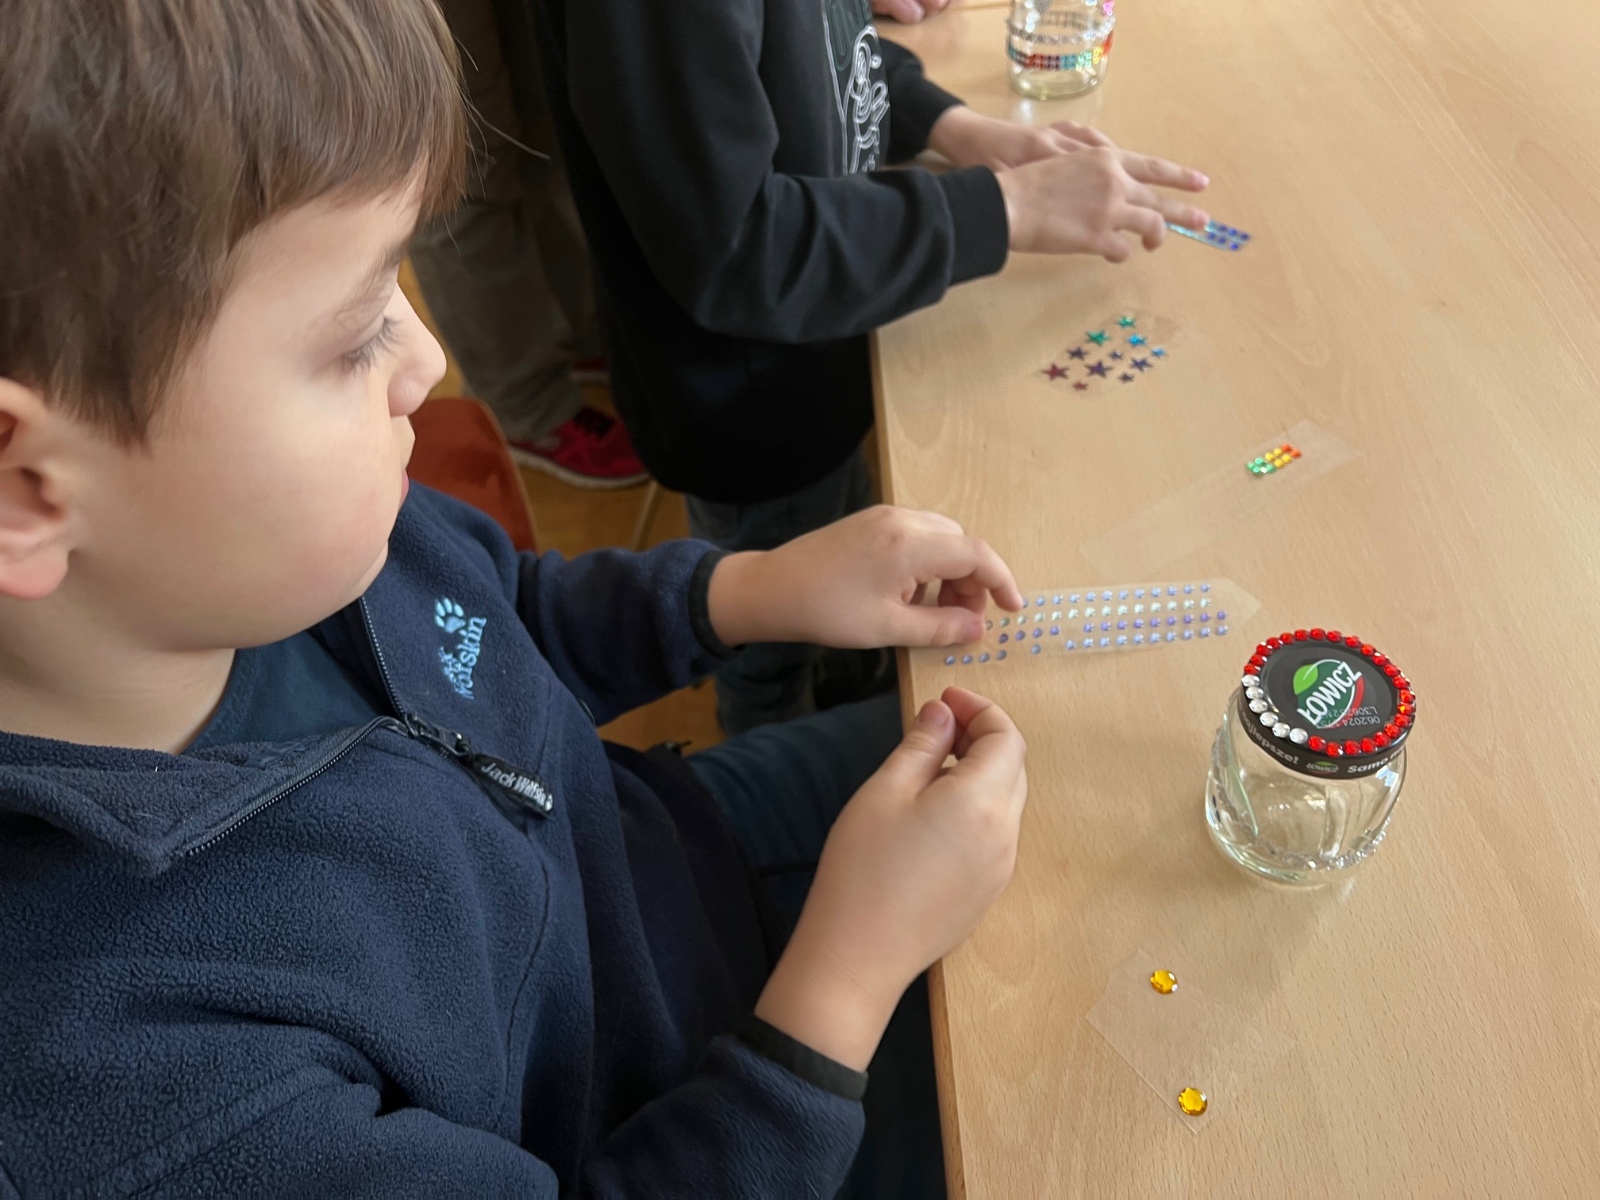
x=1308 y=763
x=1059 y=48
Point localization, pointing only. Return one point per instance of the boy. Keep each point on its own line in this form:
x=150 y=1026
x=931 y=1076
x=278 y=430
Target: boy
x=314 y=876
x=727 y=160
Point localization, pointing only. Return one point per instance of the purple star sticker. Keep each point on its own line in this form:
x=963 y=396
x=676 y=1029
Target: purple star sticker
x=1075 y=352
x=1125 y=377
x=1099 y=369
x=1141 y=364
x=1116 y=354
x=1054 y=372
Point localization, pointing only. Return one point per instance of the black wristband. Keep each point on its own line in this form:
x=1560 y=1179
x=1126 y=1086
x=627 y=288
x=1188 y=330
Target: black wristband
x=800 y=1059
x=700 y=605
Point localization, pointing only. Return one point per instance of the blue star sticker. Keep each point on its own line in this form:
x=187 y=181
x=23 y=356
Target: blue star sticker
x=1116 y=354
x=1075 y=352
x=1158 y=352
x=1099 y=369
x=1140 y=364
x=1125 y=377
x=1136 y=340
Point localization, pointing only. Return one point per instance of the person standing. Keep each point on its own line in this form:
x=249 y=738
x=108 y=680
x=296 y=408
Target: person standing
x=727 y=160
x=506 y=275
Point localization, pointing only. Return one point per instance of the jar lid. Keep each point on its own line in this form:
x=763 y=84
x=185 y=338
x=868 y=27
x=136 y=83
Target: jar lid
x=1325 y=703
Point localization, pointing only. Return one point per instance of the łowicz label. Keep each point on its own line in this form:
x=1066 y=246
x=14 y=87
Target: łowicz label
x=1328 y=692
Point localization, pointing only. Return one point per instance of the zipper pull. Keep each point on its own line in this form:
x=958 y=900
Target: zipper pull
x=526 y=788
x=523 y=788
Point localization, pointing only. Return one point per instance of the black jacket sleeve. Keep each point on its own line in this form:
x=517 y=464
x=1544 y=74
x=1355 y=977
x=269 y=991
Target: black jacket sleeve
x=671 y=99
x=914 y=102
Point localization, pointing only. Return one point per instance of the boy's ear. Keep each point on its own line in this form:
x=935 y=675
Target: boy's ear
x=33 y=522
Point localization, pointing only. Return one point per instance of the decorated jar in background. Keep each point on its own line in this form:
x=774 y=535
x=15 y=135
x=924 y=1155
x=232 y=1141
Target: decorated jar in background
x=1059 y=47
x=1308 y=764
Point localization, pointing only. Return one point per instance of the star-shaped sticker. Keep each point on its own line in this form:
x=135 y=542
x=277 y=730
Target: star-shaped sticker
x=1141 y=364
x=1080 y=385
x=1136 y=340
x=1116 y=354
x=1075 y=352
x=1125 y=377
x=1098 y=337
x=1099 y=369
x=1054 y=372
x=1126 y=322
x=1159 y=352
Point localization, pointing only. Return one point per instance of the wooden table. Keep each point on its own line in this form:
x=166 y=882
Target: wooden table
x=1423 y=183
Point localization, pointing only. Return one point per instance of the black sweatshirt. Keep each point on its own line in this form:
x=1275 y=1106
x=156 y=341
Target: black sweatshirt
x=725 y=157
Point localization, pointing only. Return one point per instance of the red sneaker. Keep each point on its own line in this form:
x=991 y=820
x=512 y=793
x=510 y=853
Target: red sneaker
x=590 y=370
x=590 y=451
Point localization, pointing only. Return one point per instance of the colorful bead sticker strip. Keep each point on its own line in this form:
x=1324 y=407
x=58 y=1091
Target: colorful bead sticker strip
x=1075 y=621
x=1223 y=237
x=1218 y=502
x=1273 y=460
x=1084 y=60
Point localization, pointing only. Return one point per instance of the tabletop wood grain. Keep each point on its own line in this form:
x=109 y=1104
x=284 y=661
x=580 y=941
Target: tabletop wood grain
x=1423 y=186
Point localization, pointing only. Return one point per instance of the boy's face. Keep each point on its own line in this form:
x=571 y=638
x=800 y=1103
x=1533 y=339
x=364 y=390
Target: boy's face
x=276 y=466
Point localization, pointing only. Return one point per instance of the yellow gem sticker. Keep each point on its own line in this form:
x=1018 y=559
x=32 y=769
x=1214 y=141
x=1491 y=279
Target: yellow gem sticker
x=1192 y=1101
x=1164 y=981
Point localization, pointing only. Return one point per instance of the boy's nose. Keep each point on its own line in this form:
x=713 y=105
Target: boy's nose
x=424 y=367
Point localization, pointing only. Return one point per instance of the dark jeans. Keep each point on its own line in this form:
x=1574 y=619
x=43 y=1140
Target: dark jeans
x=781 y=786
x=772 y=681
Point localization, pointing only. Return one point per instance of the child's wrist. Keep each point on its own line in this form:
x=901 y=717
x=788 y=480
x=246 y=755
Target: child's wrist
x=734 y=600
x=835 y=1013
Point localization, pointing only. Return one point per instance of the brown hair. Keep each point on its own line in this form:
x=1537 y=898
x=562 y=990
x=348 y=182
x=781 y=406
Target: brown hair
x=140 y=140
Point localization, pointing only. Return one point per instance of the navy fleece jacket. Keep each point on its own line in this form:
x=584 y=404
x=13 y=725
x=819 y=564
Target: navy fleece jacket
x=352 y=965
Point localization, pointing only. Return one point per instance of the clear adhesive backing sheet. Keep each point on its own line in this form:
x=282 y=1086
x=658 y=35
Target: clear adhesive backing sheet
x=1175 y=526
x=1184 y=1039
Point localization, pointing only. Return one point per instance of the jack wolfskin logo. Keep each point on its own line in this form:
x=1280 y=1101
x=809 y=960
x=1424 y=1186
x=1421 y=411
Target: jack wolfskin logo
x=461 y=660
x=448 y=616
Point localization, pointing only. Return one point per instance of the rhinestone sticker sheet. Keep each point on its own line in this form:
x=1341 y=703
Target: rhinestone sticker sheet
x=1110 y=354
x=1065 y=623
x=1185 y=1038
x=1223 y=500
x=1216 y=235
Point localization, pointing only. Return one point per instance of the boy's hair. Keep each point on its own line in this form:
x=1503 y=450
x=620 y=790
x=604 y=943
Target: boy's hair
x=140 y=140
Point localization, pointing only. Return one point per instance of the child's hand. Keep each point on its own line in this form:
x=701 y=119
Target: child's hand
x=969 y=139
x=908 y=11
x=858 y=583
x=914 y=860
x=1081 y=203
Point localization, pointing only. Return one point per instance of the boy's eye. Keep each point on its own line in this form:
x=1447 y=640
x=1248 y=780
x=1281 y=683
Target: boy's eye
x=364 y=355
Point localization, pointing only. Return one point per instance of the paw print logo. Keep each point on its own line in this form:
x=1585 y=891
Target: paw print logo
x=449 y=616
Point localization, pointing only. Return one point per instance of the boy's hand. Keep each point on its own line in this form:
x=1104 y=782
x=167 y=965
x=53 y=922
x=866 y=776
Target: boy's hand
x=858 y=583
x=1081 y=203
x=969 y=139
x=909 y=11
x=914 y=860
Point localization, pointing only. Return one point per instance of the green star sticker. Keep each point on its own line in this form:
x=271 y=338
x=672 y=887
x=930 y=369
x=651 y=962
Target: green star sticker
x=1126 y=322
x=1098 y=337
